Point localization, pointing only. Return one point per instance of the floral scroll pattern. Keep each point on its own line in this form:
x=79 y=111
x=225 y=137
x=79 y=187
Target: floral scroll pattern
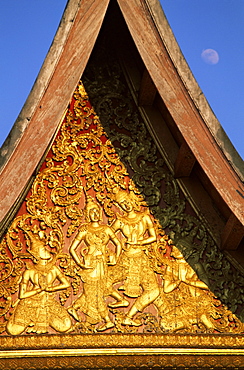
x=105 y=240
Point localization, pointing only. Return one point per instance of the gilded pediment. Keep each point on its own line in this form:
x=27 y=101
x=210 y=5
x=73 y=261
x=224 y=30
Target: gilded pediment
x=105 y=241
x=111 y=255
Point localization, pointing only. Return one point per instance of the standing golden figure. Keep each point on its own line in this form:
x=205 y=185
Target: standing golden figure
x=133 y=268
x=37 y=308
x=94 y=238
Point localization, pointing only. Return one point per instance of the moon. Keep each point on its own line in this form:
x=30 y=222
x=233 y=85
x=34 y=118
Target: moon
x=210 y=56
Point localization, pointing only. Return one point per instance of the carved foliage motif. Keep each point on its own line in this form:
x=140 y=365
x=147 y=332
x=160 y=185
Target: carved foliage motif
x=113 y=101
x=85 y=253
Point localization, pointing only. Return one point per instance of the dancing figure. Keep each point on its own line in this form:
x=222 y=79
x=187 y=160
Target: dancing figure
x=93 y=237
x=133 y=267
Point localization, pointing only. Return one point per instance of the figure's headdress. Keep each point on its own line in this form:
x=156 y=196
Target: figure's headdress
x=37 y=245
x=90 y=203
x=177 y=253
x=120 y=195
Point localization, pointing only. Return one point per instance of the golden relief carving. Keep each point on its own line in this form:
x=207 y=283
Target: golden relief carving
x=36 y=307
x=94 y=263
x=85 y=254
x=136 y=142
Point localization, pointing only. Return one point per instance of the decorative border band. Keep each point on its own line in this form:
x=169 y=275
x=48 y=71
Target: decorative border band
x=107 y=341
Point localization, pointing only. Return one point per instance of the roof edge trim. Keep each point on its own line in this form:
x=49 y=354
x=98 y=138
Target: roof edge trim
x=51 y=93
x=41 y=82
x=193 y=88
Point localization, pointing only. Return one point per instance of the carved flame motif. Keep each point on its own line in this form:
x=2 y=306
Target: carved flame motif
x=84 y=254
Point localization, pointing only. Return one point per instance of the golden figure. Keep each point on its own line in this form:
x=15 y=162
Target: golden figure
x=36 y=307
x=95 y=237
x=192 y=304
x=133 y=268
x=187 y=247
x=181 y=273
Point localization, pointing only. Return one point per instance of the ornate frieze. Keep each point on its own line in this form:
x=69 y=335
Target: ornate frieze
x=106 y=246
x=88 y=252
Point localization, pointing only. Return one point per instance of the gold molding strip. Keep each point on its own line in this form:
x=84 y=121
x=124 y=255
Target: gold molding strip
x=121 y=351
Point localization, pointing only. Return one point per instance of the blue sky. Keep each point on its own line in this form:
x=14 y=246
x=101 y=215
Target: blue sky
x=219 y=25
x=27 y=28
